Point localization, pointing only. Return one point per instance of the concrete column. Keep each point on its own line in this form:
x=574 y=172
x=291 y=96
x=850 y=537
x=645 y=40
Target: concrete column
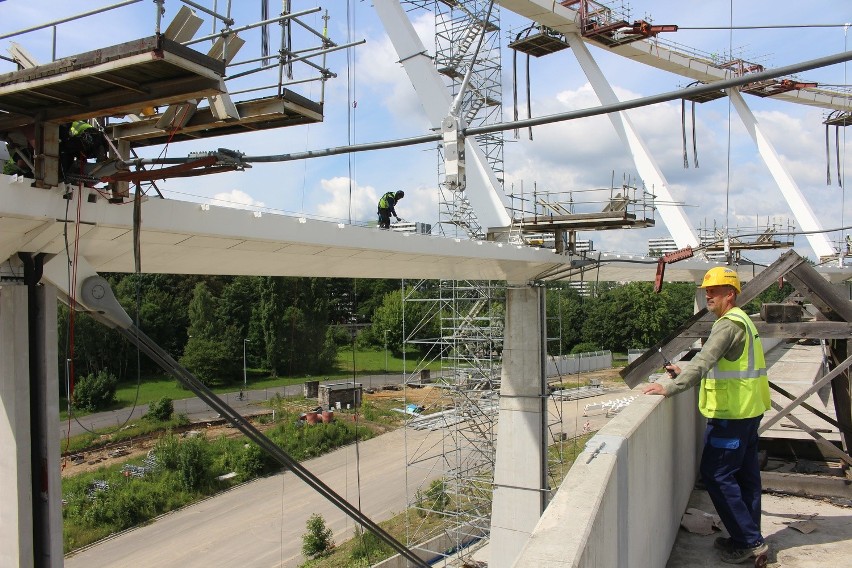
x=31 y=489
x=16 y=504
x=521 y=460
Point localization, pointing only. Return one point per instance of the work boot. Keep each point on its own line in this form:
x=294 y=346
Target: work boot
x=740 y=555
x=723 y=543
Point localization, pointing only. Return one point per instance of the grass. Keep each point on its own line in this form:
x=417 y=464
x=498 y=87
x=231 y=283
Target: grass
x=102 y=437
x=367 y=362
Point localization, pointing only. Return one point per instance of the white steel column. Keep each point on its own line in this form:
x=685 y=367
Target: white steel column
x=801 y=209
x=482 y=189
x=520 y=462
x=676 y=221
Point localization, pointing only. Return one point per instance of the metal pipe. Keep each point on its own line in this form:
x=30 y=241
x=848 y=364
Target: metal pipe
x=559 y=117
x=228 y=21
x=313 y=31
x=250 y=26
x=669 y=96
x=311 y=53
x=287 y=84
x=304 y=58
x=70 y=18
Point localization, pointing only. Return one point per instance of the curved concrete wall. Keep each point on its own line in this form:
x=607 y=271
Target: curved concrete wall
x=621 y=503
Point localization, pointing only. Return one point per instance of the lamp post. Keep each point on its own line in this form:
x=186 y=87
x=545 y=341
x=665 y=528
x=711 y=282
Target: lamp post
x=245 y=374
x=386 y=351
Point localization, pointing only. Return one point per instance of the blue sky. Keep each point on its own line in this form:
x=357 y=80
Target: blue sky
x=567 y=156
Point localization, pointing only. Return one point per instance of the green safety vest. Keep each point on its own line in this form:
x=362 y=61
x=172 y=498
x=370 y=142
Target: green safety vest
x=737 y=389
x=383 y=202
x=79 y=126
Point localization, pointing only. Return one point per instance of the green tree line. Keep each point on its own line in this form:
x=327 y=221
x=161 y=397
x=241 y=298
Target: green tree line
x=295 y=326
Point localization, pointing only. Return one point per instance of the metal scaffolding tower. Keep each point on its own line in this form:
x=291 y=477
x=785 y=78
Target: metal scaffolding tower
x=458 y=27
x=468 y=319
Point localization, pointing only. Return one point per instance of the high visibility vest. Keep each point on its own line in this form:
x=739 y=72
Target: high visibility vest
x=387 y=201
x=737 y=389
x=79 y=126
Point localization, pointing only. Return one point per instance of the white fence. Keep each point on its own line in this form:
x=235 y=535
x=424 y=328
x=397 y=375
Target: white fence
x=579 y=363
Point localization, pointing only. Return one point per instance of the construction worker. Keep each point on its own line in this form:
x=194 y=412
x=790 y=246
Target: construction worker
x=82 y=142
x=733 y=395
x=386 y=208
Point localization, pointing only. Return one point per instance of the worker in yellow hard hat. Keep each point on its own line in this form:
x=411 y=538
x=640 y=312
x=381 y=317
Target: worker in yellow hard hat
x=733 y=395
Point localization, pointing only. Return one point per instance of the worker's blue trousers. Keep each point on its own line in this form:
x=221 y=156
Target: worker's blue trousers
x=731 y=474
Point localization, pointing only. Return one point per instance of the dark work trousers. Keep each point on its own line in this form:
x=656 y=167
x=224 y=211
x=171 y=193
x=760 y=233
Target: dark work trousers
x=731 y=474
x=384 y=218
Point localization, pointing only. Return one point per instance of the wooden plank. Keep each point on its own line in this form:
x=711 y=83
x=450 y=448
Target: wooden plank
x=820 y=293
x=795 y=330
x=638 y=371
x=841 y=394
x=828 y=447
x=805 y=405
x=808 y=392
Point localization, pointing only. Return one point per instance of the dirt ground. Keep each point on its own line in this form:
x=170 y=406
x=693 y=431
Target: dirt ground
x=429 y=397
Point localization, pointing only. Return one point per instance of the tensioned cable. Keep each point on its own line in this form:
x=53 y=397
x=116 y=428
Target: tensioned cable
x=728 y=162
x=767 y=27
x=350 y=96
x=547 y=119
x=841 y=164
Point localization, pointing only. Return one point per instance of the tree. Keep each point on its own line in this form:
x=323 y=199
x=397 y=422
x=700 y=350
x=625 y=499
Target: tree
x=206 y=354
x=632 y=316
x=566 y=311
x=271 y=305
x=95 y=391
x=318 y=541
x=161 y=410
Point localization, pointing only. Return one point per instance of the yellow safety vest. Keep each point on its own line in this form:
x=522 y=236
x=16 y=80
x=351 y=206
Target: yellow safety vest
x=387 y=201
x=737 y=389
x=79 y=126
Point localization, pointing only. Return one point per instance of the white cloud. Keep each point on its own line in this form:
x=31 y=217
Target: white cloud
x=362 y=202
x=236 y=199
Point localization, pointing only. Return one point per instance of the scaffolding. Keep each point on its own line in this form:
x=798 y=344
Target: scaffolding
x=459 y=24
x=467 y=318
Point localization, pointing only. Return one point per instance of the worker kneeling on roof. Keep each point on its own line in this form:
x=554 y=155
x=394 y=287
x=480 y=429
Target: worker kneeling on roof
x=386 y=208
x=83 y=141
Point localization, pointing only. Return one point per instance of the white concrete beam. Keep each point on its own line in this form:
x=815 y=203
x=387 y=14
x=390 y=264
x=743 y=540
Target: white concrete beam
x=673 y=216
x=789 y=189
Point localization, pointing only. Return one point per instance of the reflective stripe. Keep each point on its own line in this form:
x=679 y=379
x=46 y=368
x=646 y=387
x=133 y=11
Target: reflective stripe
x=747 y=374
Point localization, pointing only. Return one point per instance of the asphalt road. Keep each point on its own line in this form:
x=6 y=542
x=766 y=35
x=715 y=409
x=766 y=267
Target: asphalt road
x=198 y=411
x=260 y=524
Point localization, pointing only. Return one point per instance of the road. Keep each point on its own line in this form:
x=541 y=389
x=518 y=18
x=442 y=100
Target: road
x=197 y=411
x=260 y=524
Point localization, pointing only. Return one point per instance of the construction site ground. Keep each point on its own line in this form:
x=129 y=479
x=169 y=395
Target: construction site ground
x=429 y=397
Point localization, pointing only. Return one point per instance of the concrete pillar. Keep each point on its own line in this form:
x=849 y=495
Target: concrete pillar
x=31 y=490
x=521 y=459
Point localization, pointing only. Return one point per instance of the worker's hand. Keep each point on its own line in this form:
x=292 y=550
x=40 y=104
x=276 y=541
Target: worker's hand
x=673 y=370
x=398 y=219
x=654 y=388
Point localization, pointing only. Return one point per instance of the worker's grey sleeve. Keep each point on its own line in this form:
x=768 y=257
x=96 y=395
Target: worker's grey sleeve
x=727 y=339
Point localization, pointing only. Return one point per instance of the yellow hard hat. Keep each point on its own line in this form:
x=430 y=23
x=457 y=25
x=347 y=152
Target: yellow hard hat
x=721 y=276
